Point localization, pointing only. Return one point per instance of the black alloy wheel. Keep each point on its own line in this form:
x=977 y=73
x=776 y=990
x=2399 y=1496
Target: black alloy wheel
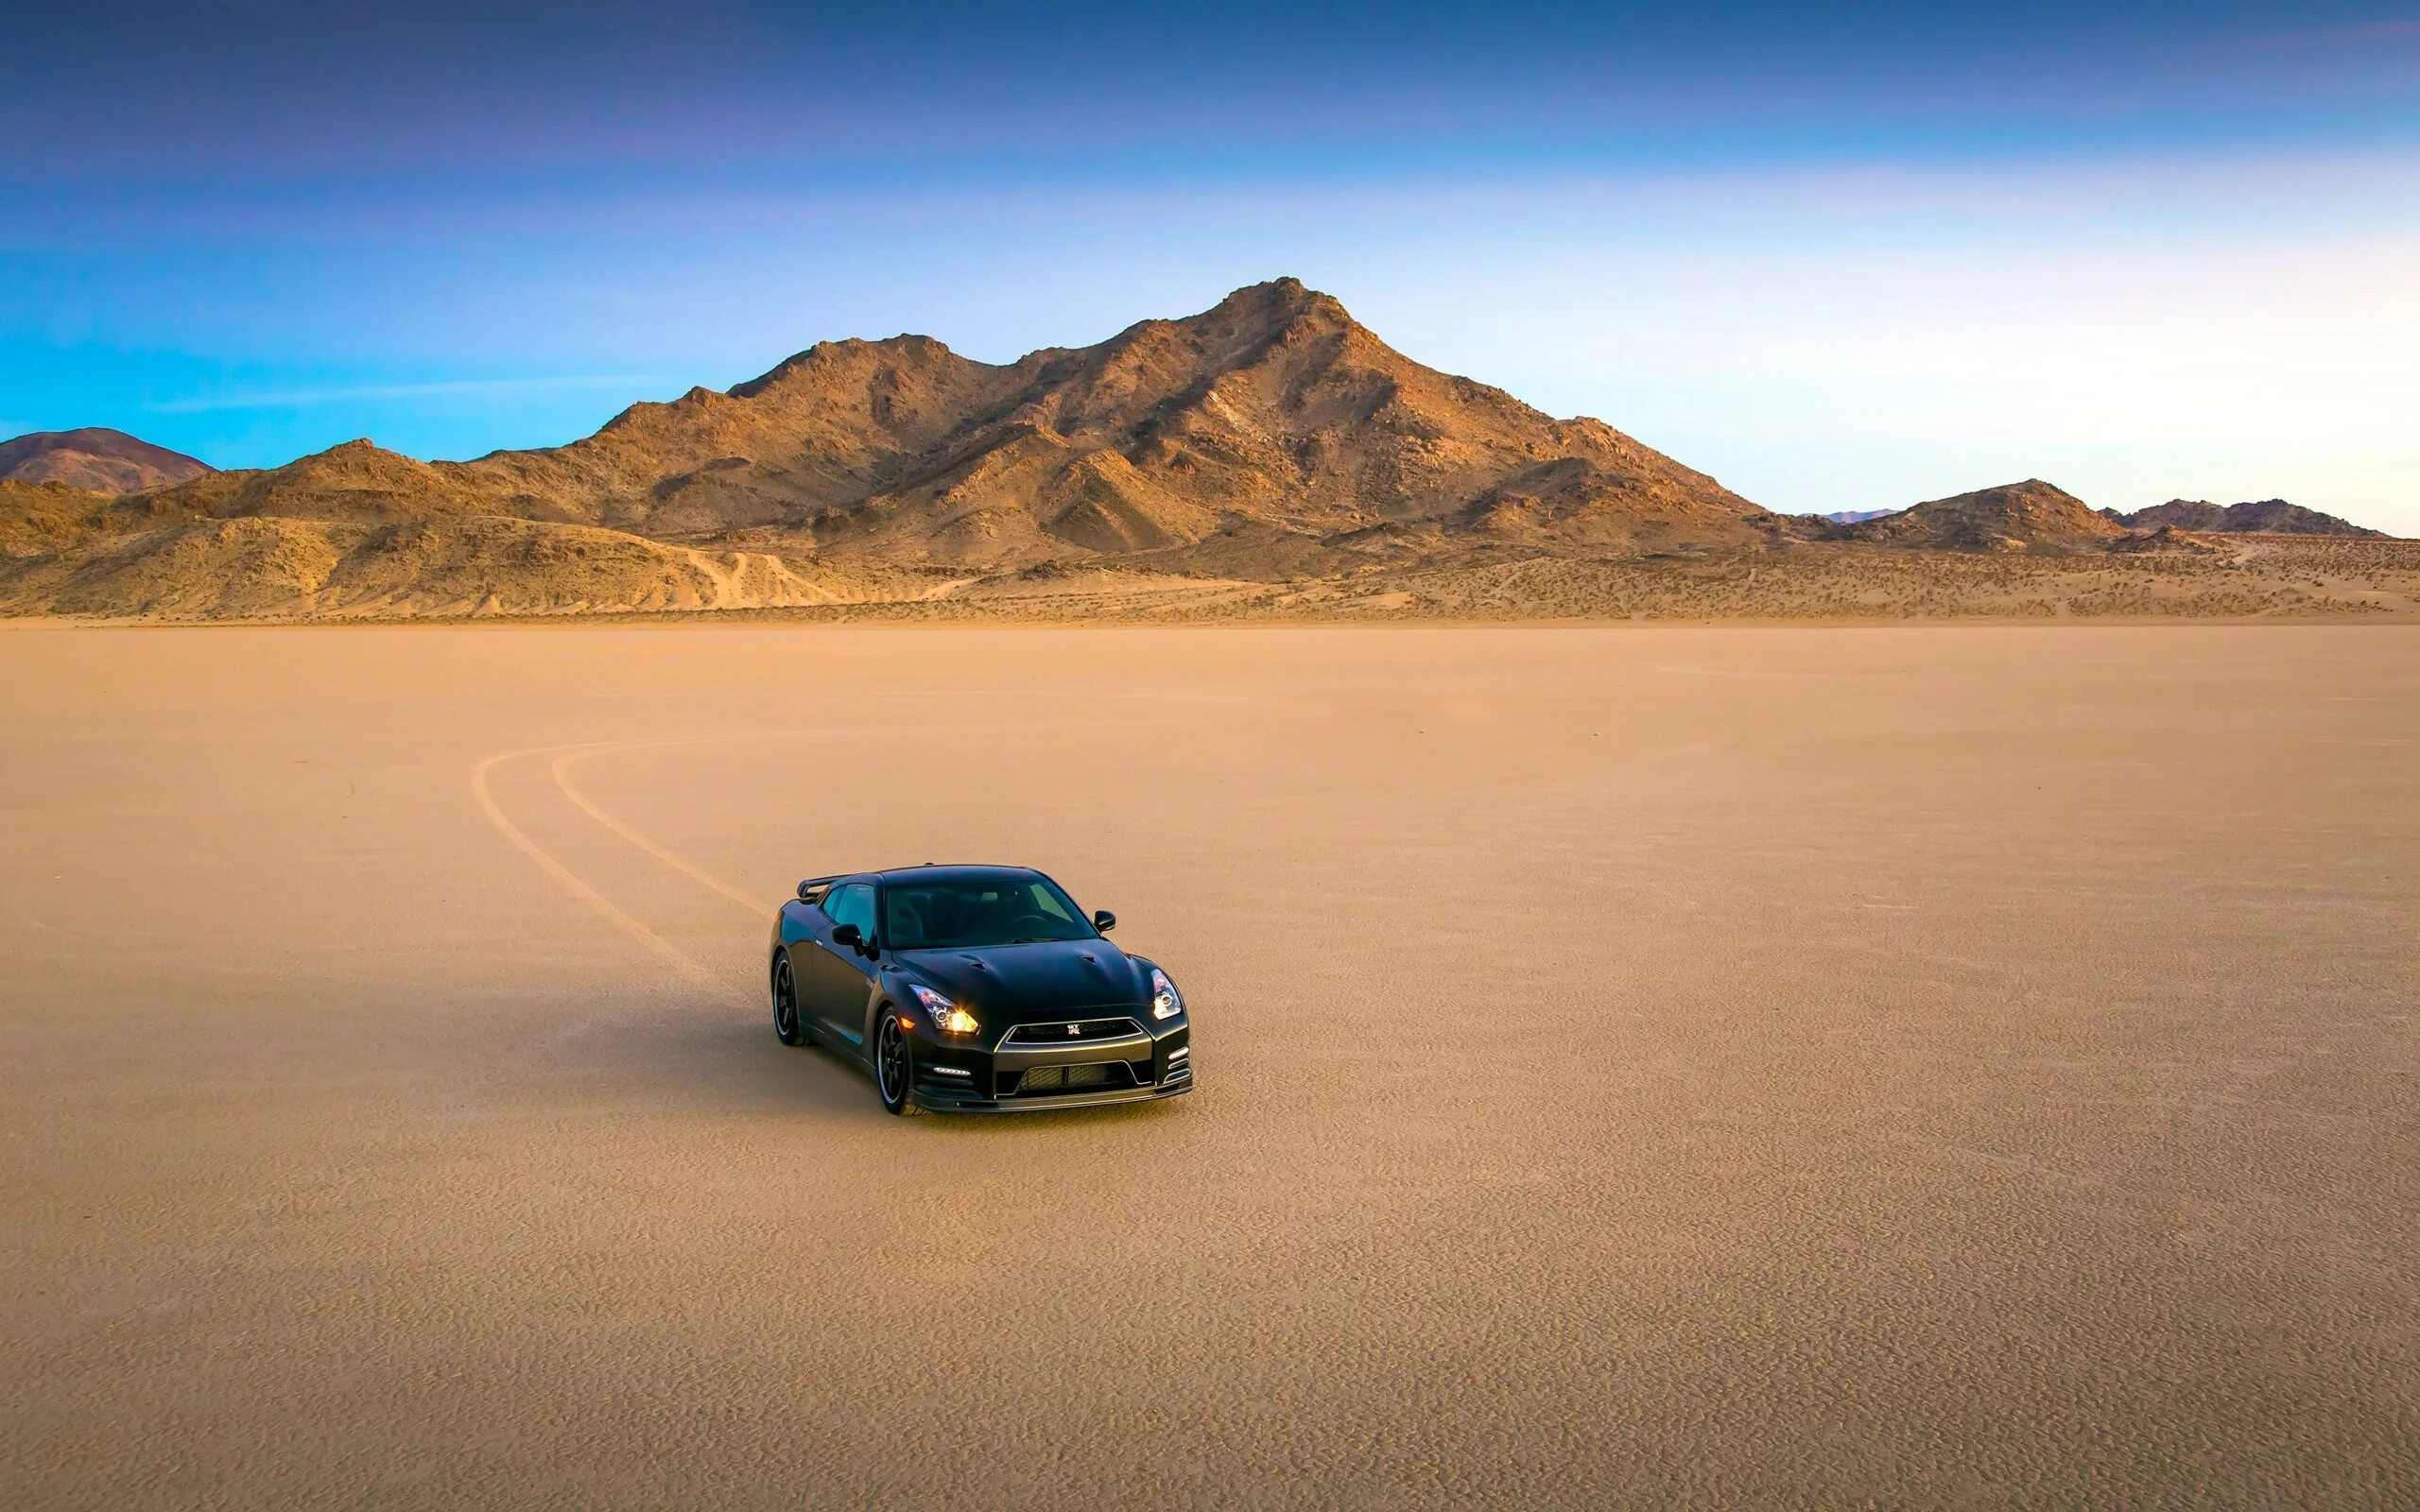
x=892 y=1066
x=785 y=1002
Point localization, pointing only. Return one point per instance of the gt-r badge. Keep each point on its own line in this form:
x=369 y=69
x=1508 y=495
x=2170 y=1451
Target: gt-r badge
x=1075 y=1028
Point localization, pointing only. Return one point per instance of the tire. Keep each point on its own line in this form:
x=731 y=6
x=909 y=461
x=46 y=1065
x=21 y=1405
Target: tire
x=894 y=1067
x=786 y=1026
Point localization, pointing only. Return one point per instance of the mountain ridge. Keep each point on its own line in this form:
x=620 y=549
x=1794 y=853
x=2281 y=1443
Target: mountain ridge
x=2256 y=516
x=1270 y=440
x=1272 y=421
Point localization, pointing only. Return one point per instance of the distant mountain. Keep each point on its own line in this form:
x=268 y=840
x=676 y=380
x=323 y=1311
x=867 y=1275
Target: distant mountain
x=1271 y=426
x=2269 y=515
x=2029 y=516
x=1856 y=517
x=96 y=459
x=1270 y=438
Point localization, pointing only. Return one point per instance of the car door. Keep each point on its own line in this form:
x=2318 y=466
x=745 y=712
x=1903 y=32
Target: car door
x=835 y=992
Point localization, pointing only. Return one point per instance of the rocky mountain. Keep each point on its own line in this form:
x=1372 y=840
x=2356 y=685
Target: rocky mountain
x=1856 y=517
x=1273 y=416
x=1270 y=438
x=2273 y=516
x=96 y=459
x=2029 y=516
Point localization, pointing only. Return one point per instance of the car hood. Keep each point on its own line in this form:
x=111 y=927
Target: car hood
x=1019 y=982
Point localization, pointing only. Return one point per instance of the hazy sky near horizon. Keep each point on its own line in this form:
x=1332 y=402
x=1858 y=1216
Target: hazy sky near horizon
x=1841 y=257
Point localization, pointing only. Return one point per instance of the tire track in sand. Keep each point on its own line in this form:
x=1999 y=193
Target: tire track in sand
x=568 y=755
x=664 y=950
x=621 y=918
x=560 y=771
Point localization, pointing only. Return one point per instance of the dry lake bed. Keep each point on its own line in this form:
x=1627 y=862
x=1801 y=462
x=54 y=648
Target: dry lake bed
x=1918 y=1066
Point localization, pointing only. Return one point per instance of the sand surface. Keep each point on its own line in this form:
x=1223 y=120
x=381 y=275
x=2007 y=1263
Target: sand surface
x=1920 y=1066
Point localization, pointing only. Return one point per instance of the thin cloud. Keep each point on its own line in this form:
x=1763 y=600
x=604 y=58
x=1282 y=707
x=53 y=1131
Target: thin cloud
x=2360 y=34
x=299 y=398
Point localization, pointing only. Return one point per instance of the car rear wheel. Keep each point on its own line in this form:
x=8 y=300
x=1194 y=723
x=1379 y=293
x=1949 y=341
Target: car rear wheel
x=785 y=1025
x=895 y=1063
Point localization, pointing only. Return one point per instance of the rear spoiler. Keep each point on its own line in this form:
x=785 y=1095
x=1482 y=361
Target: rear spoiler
x=813 y=888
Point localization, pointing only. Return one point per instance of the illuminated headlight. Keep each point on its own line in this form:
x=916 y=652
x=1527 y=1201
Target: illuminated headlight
x=948 y=1018
x=1165 y=1002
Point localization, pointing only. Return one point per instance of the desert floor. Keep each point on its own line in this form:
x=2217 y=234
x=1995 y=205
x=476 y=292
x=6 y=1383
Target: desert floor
x=1930 y=1065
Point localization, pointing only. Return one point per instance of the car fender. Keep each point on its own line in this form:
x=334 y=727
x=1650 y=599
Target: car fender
x=878 y=1000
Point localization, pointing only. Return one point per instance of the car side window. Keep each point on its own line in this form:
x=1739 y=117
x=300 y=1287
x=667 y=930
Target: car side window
x=852 y=904
x=1046 y=903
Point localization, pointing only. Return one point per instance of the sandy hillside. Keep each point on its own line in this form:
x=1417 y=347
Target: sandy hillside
x=1908 y=1067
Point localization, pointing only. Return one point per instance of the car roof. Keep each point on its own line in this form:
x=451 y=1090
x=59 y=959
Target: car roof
x=951 y=871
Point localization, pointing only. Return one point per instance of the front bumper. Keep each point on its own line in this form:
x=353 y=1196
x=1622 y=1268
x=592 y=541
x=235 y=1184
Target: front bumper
x=936 y=1099
x=1030 y=1076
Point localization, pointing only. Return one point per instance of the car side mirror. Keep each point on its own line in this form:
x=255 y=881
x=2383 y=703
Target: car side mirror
x=849 y=934
x=1104 y=920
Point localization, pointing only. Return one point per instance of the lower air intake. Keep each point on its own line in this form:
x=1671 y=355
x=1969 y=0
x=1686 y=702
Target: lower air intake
x=1047 y=1079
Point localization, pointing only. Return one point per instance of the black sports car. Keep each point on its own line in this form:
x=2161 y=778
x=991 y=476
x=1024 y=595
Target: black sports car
x=979 y=990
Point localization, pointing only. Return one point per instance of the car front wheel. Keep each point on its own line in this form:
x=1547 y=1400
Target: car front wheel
x=895 y=1063
x=785 y=1002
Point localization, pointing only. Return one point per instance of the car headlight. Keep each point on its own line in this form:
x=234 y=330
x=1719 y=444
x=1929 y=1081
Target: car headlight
x=1165 y=1002
x=948 y=1018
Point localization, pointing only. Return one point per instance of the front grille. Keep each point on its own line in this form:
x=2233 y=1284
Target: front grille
x=1059 y=1033
x=1044 y=1080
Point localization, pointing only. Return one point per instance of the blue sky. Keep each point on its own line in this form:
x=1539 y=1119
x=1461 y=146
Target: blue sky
x=1840 y=257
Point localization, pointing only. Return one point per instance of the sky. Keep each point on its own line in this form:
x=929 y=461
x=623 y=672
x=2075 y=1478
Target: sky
x=1841 y=257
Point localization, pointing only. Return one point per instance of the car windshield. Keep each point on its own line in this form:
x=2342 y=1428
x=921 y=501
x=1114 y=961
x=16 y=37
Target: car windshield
x=962 y=913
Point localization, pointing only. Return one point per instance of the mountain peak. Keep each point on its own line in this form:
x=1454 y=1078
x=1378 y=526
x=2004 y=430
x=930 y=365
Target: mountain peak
x=1277 y=304
x=2029 y=516
x=96 y=459
x=847 y=355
